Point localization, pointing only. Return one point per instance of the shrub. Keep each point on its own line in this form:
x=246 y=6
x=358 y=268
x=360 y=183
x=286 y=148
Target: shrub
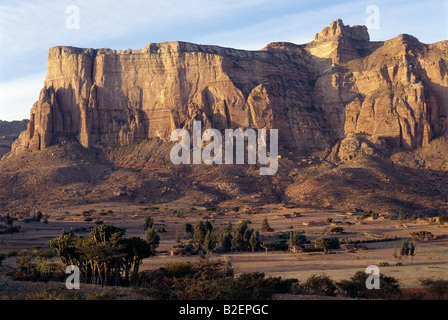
x=443 y=218
x=437 y=286
x=177 y=269
x=12 y=253
x=265 y=227
x=320 y=285
x=210 y=280
x=337 y=230
x=36 y=268
x=422 y=235
x=355 y=287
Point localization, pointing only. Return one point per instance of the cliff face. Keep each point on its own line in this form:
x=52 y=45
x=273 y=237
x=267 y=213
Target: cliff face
x=315 y=94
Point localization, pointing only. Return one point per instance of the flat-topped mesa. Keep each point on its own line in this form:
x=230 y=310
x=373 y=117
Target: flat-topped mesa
x=338 y=29
x=315 y=94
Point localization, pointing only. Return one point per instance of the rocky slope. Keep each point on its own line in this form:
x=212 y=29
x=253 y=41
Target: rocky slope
x=358 y=122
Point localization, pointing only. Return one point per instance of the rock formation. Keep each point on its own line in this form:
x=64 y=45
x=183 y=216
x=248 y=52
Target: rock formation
x=316 y=94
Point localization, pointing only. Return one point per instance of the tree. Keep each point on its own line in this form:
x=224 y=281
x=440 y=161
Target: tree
x=296 y=239
x=104 y=255
x=226 y=242
x=187 y=228
x=327 y=243
x=136 y=249
x=199 y=233
x=412 y=250
x=395 y=254
x=265 y=227
x=404 y=251
x=153 y=240
x=148 y=223
x=209 y=241
x=177 y=237
x=323 y=243
x=253 y=241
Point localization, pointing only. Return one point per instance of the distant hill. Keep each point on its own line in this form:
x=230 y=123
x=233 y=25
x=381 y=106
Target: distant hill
x=10 y=131
x=12 y=127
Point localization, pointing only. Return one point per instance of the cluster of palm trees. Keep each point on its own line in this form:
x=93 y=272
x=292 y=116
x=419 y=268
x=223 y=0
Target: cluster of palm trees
x=206 y=237
x=104 y=256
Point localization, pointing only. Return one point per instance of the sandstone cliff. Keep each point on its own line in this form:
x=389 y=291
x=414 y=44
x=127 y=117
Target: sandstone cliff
x=316 y=94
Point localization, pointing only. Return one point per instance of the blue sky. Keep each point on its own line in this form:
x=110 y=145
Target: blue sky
x=29 y=28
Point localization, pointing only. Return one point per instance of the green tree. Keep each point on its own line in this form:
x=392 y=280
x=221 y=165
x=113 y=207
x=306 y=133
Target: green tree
x=412 y=250
x=177 y=237
x=395 y=254
x=199 y=233
x=153 y=240
x=254 y=241
x=404 y=251
x=323 y=243
x=226 y=242
x=327 y=243
x=135 y=250
x=265 y=227
x=296 y=239
x=209 y=241
x=188 y=229
x=148 y=223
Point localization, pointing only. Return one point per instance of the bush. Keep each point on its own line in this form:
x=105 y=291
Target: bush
x=355 y=287
x=443 y=218
x=177 y=269
x=210 y=280
x=36 y=268
x=12 y=253
x=2 y=257
x=265 y=227
x=320 y=285
x=437 y=286
x=337 y=230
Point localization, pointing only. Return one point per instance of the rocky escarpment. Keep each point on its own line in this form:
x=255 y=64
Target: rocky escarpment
x=316 y=94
